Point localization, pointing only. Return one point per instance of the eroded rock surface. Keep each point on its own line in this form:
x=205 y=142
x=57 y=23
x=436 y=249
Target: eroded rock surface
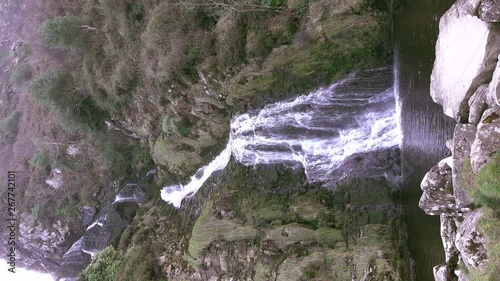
x=268 y=223
x=487 y=139
x=471 y=242
x=438 y=189
x=489 y=10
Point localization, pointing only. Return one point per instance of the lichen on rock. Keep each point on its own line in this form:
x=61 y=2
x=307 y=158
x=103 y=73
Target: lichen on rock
x=465 y=81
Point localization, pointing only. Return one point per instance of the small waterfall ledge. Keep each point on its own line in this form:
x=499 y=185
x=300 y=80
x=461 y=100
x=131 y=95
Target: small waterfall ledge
x=317 y=131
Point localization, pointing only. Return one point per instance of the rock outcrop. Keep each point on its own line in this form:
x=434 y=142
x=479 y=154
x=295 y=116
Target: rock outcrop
x=465 y=81
x=104 y=231
x=466 y=56
x=268 y=223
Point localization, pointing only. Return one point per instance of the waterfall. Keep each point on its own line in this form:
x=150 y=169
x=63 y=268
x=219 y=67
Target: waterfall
x=316 y=131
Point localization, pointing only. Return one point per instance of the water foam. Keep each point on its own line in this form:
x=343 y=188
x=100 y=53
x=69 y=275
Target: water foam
x=317 y=131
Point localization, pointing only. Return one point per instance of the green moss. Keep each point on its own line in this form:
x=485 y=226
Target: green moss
x=21 y=74
x=177 y=160
x=345 y=43
x=139 y=263
x=490 y=224
x=208 y=229
x=329 y=237
x=488 y=179
x=104 y=267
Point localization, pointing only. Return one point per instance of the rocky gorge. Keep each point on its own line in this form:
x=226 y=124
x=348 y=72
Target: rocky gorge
x=264 y=218
x=465 y=82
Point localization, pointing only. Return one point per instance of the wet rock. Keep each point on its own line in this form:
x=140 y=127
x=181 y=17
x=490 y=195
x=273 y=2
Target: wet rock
x=375 y=163
x=477 y=104
x=466 y=55
x=88 y=215
x=487 y=139
x=471 y=242
x=489 y=10
x=438 y=189
x=463 y=137
x=106 y=230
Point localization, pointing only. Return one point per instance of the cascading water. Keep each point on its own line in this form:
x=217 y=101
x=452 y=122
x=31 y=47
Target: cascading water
x=317 y=131
x=110 y=223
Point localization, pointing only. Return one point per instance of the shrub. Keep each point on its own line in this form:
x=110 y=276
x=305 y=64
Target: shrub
x=68 y=209
x=56 y=90
x=104 y=267
x=21 y=74
x=40 y=161
x=9 y=127
x=24 y=50
x=62 y=32
x=140 y=264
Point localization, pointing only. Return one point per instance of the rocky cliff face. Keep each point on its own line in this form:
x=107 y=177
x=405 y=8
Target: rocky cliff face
x=465 y=81
x=268 y=223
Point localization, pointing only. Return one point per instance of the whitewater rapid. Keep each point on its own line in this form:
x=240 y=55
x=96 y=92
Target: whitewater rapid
x=316 y=131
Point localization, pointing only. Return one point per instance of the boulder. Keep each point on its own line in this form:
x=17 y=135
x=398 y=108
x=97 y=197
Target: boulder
x=466 y=55
x=462 y=276
x=448 y=235
x=477 y=104
x=493 y=95
x=463 y=136
x=471 y=242
x=437 y=197
x=444 y=272
x=489 y=10
x=487 y=139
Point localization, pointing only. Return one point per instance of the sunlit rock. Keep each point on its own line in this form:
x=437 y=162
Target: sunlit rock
x=443 y=272
x=487 y=139
x=471 y=242
x=55 y=179
x=466 y=55
x=493 y=96
x=477 y=104
x=73 y=149
x=438 y=189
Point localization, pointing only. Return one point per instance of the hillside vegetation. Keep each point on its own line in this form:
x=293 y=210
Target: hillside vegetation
x=129 y=85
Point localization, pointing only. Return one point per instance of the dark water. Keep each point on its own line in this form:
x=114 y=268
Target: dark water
x=424 y=124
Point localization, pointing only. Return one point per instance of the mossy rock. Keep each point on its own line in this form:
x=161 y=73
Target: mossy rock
x=208 y=228
x=178 y=161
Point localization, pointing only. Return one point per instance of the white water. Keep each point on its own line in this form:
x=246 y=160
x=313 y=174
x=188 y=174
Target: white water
x=175 y=193
x=317 y=131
